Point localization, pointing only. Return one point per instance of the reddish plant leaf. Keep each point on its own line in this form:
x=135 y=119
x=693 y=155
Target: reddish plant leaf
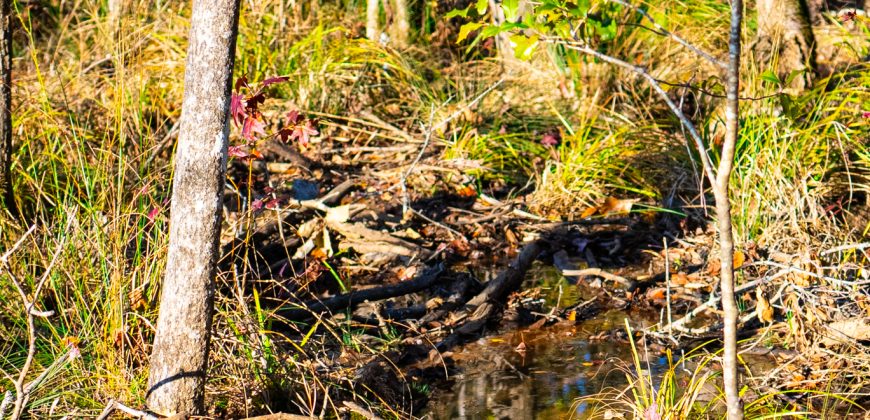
x=273 y=80
x=273 y=204
x=257 y=205
x=236 y=152
x=551 y=139
x=153 y=213
x=241 y=82
x=252 y=127
x=866 y=114
x=237 y=109
x=294 y=117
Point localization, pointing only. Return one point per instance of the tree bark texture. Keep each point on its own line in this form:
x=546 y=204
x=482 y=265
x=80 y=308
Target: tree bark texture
x=6 y=193
x=400 y=25
x=786 y=38
x=723 y=216
x=181 y=346
x=372 y=16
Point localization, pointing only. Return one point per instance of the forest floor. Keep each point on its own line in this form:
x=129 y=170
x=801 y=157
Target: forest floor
x=535 y=227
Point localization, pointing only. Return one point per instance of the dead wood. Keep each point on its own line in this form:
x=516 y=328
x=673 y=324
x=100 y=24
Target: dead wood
x=349 y=300
x=364 y=240
x=480 y=309
x=288 y=154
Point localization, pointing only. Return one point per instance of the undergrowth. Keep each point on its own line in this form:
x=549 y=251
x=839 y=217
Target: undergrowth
x=96 y=103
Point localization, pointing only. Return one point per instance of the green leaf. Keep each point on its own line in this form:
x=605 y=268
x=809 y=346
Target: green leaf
x=491 y=31
x=458 y=12
x=511 y=9
x=793 y=75
x=466 y=29
x=769 y=76
x=481 y=6
x=523 y=45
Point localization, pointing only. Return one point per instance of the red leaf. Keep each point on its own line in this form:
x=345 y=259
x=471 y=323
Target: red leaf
x=273 y=80
x=303 y=133
x=257 y=205
x=551 y=139
x=237 y=108
x=253 y=127
x=241 y=82
x=236 y=152
x=294 y=117
x=273 y=204
x=153 y=213
x=866 y=114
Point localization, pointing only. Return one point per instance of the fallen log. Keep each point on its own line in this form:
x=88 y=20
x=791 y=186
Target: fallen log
x=348 y=300
x=481 y=308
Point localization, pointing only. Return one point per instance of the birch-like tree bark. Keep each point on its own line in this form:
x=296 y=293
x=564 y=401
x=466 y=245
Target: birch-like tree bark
x=181 y=346
x=6 y=193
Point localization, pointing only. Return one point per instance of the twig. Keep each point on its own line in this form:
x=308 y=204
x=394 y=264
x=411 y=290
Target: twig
x=405 y=201
x=713 y=301
x=22 y=392
x=5 y=257
x=848 y=247
x=662 y=31
x=707 y=163
x=791 y=269
x=114 y=405
x=362 y=411
x=598 y=273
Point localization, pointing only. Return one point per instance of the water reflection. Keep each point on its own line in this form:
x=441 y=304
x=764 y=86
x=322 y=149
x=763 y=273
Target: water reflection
x=557 y=366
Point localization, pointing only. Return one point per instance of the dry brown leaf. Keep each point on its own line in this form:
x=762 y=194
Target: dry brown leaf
x=763 y=309
x=614 y=205
x=589 y=212
x=679 y=279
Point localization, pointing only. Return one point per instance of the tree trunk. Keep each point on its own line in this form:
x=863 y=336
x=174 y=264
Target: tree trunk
x=181 y=345
x=372 y=15
x=786 y=38
x=730 y=376
x=400 y=25
x=7 y=196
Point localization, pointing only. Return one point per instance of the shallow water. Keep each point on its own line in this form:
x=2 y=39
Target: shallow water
x=559 y=365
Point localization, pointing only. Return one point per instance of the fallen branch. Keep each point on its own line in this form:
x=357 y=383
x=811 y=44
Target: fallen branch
x=114 y=405
x=482 y=307
x=349 y=300
x=597 y=272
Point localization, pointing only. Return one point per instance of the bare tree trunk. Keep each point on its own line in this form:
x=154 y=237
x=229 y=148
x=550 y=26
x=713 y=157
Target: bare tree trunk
x=372 y=15
x=7 y=195
x=785 y=35
x=723 y=216
x=181 y=346
x=502 y=40
x=400 y=25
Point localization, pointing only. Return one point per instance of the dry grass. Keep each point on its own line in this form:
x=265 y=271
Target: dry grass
x=96 y=100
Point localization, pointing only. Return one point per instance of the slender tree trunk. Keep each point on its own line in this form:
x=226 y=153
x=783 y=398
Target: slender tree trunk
x=400 y=26
x=785 y=36
x=181 y=346
x=723 y=216
x=372 y=15
x=7 y=195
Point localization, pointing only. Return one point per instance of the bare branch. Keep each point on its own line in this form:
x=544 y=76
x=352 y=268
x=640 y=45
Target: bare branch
x=664 y=32
x=693 y=133
x=114 y=405
x=22 y=392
